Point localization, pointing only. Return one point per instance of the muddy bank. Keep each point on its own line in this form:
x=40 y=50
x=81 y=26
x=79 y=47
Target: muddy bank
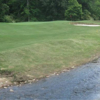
x=82 y=83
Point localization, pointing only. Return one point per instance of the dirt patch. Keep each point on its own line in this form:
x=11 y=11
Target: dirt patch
x=5 y=82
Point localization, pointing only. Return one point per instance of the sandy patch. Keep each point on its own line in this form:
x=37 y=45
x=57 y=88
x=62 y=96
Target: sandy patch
x=86 y=25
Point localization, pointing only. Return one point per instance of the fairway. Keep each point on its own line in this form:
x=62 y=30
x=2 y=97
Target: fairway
x=32 y=50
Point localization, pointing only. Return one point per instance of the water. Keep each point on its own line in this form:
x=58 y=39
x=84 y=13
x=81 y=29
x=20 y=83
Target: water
x=82 y=83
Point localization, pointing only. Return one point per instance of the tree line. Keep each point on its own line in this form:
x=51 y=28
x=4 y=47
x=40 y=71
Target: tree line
x=48 y=10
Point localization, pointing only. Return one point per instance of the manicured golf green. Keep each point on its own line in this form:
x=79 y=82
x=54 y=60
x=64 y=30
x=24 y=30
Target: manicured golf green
x=36 y=49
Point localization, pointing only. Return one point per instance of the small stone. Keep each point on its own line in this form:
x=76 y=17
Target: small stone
x=34 y=79
x=15 y=83
x=11 y=90
x=47 y=76
x=5 y=87
x=73 y=67
x=25 y=81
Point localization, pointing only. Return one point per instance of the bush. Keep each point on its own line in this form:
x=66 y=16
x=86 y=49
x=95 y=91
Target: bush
x=95 y=17
x=34 y=19
x=86 y=15
x=8 y=18
x=74 y=12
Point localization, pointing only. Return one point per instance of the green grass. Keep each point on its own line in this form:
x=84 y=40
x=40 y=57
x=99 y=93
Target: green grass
x=38 y=49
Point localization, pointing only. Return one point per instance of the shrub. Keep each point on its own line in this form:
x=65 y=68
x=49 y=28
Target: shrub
x=86 y=15
x=95 y=17
x=8 y=18
x=74 y=12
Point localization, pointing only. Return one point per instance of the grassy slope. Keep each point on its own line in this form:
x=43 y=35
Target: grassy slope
x=39 y=48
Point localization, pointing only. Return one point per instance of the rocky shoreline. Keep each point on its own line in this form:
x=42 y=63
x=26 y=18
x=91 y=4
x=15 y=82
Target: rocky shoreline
x=7 y=82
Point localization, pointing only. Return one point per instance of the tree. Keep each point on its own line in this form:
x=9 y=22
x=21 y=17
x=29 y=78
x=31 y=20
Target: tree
x=74 y=10
x=53 y=9
x=28 y=11
x=45 y=10
x=4 y=10
x=74 y=13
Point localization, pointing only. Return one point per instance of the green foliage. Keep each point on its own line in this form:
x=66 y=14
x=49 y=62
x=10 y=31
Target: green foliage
x=4 y=9
x=96 y=17
x=26 y=11
x=72 y=3
x=95 y=9
x=86 y=15
x=91 y=8
x=74 y=12
x=53 y=9
x=47 y=10
x=8 y=18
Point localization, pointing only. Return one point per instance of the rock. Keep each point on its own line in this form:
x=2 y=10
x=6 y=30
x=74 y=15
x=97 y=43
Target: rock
x=11 y=90
x=5 y=87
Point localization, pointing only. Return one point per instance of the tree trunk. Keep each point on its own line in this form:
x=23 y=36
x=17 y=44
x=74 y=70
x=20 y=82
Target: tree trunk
x=28 y=17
